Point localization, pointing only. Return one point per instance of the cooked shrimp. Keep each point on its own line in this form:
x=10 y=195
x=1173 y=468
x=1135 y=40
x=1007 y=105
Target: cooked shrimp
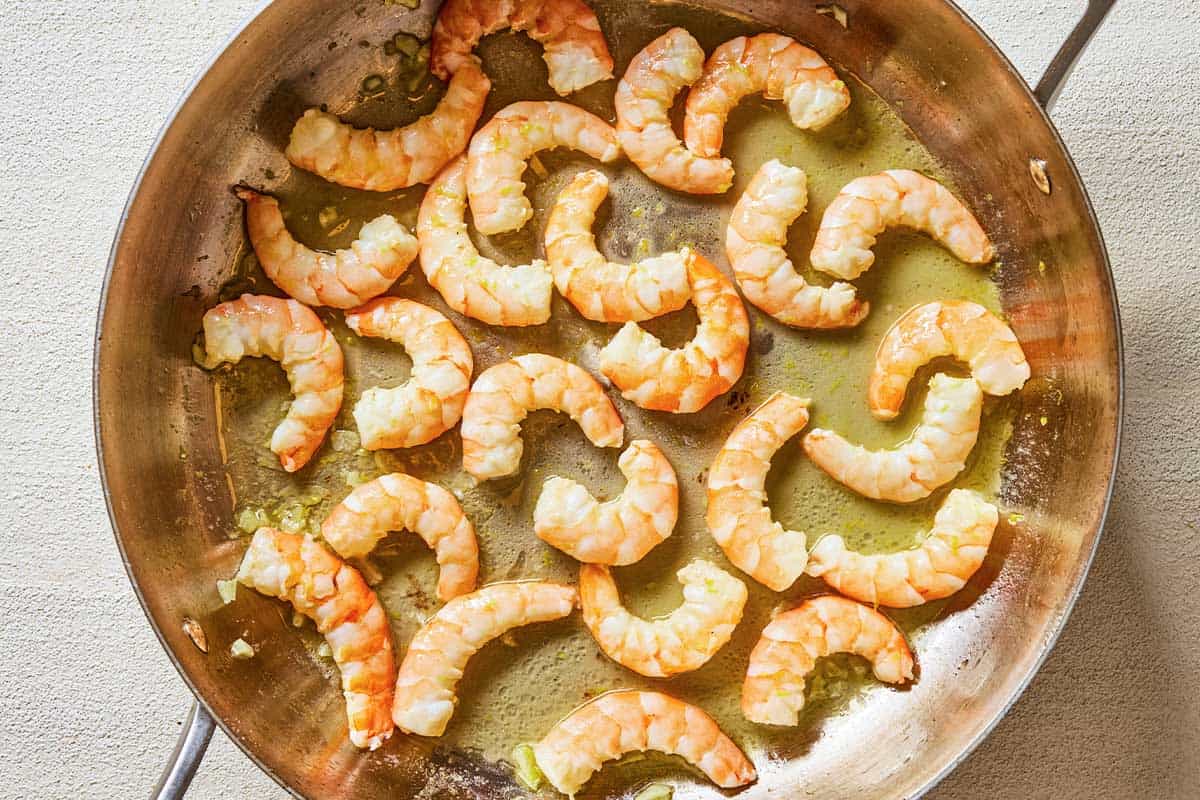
x=931 y=457
x=628 y=720
x=625 y=528
x=738 y=517
x=773 y=692
x=687 y=379
x=575 y=50
x=643 y=104
x=440 y=650
x=683 y=640
x=600 y=289
x=397 y=502
x=946 y=559
x=867 y=206
x=343 y=279
x=497 y=156
x=967 y=331
x=754 y=242
x=472 y=285
x=777 y=66
x=431 y=401
x=382 y=161
x=332 y=594
x=290 y=333
x=504 y=394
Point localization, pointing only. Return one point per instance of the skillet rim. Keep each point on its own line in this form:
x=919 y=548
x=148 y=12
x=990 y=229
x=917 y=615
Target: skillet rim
x=1053 y=631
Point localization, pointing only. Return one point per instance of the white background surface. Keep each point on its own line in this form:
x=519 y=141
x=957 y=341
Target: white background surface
x=90 y=705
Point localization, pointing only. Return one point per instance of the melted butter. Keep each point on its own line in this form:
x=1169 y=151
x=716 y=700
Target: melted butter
x=515 y=689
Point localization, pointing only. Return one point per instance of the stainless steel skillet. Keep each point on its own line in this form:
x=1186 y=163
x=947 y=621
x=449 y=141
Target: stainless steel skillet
x=965 y=102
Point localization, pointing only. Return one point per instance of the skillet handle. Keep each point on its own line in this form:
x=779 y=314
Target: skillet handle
x=189 y=750
x=1055 y=76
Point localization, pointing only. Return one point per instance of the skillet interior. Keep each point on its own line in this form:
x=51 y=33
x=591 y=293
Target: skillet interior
x=967 y=107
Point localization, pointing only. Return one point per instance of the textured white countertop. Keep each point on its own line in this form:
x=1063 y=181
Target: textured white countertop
x=90 y=705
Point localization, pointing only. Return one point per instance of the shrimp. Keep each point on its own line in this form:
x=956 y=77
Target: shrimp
x=439 y=651
x=472 y=285
x=683 y=640
x=754 y=242
x=643 y=105
x=382 y=161
x=576 y=53
x=777 y=66
x=400 y=502
x=344 y=279
x=431 y=401
x=629 y=720
x=497 y=156
x=737 y=515
x=290 y=333
x=332 y=594
x=600 y=289
x=685 y=380
x=773 y=692
x=622 y=530
x=867 y=206
x=967 y=331
x=943 y=563
x=932 y=456
x=505 y=393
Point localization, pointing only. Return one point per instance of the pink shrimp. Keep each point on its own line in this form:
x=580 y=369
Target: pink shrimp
x=687 y=379
x=946 y=559
x=777 y=66
x=576 y=53
x=868 y=206
x=331 y=593
x=346 y=278
x=396 y=502
x=967 y=331
x=643 y=103
x=290 y=333
x=631 y=721
x=773 y=692
x=382 y=161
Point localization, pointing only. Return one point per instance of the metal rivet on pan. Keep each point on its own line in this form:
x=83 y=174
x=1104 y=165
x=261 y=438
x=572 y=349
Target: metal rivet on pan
x=1037 y=169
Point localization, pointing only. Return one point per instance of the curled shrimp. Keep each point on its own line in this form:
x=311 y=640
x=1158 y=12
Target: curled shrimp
x=685 y=380
x=438 y=654
x=622 y=530
x=643 y=103
x=346 y=278
x=754 y=242
x=931 y=457
x=382 y=161
x=472 y=285
x=773 y=692
x=290 y=333
x=600 y=289
x=777 y=66
x=576 y=53
x=867 y=206
x=943 y=563
x=431 y=401
x=497 y=156
x=967 y=331
x=397 y=502
x=737 y=516
x=504 y=394
x=332 y=594
x=683 y=640
x=628 y=720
